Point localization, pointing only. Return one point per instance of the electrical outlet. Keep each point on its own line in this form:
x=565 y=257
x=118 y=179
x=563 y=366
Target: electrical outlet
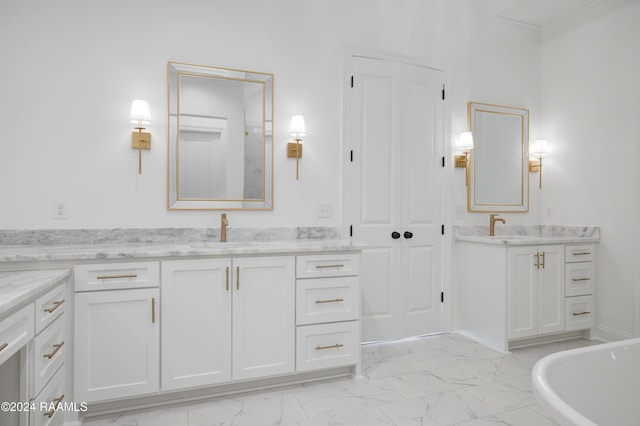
x=324 y=211
x=548 y=212
x=60 y=210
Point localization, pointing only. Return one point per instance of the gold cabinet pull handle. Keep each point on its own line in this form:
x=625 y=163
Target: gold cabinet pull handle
x=337 y=345
x=153 y=310
x=330 y=301
x=227 y=279
x=329 y=266
x=580 y=279
x=582 y=253
x=3 y=346
x=115 y=277
x=237 y=278
x=57 y=347
x=542 y=265
x=537 y=265
x=51 y=412
x=56 y=305
x=575 y=314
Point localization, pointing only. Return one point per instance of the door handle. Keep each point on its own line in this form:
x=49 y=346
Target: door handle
x=395 y=235
x=408 y=235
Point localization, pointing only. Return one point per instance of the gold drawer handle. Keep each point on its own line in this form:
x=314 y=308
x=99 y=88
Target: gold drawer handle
x=115 y=277
x=575 y=314
x=55 y=351
x=337 y=345
x=582 y=253
x=51 y=412
x=55 y=306
x=329 y=266
x=581 y=279
x=330 y=301
x=3 y=346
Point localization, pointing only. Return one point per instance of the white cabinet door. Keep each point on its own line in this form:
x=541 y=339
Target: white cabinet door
x=523 y=294
x=116 y=344
x=196 y=322
x=536 y=291
x=263 y=316
x=550 y=289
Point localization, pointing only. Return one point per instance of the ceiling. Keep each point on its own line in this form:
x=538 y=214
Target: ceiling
x=549 y=13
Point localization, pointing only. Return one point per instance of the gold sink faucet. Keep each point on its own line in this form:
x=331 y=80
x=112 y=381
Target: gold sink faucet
x=224 y=222
x=493 y=218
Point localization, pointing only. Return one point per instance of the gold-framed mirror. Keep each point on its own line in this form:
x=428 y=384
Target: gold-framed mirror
x=220 y=138
x=499 y=179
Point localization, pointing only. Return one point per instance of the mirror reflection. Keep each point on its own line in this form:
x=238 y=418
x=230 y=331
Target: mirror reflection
x=499 y=181
x=220 y=138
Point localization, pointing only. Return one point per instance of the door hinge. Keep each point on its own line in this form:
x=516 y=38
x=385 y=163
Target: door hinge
x=442 y=230
x=351 y=230
x=442 y=297
x=351 y=156
x=351 y=81
x=443 y=161
x=442 y=92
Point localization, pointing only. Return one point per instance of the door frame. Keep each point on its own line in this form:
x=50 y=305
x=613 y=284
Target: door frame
x=446 y=276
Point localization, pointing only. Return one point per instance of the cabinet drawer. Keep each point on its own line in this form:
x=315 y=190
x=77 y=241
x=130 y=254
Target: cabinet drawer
x=51 y=306
x=327 y=300
x=15 y=331
x=579 y=313
x=49 y=351
x=578 y=279
x=579 y=253
x=52 y=395
x=327 y=265
x=327 y=345
x=113 y=276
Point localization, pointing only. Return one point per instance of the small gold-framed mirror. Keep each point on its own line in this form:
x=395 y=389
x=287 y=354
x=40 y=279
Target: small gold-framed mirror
x=220 y=147
x=499 y=176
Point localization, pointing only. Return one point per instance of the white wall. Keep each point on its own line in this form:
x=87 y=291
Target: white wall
x=590 y=98
x=70 y=70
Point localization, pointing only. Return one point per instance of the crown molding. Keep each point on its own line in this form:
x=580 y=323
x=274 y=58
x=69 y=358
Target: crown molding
x=580 y=17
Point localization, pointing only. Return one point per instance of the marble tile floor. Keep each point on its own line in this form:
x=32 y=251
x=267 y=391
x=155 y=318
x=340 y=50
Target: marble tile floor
x=443 y=379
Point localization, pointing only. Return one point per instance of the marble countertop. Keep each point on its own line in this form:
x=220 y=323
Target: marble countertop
x=521 y=235
x=18 y=287
x=22 y=253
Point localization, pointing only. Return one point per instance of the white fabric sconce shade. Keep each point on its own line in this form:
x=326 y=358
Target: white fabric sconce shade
x=466 y=141
x=298 y=127
x=540 y=148
x=140 y=113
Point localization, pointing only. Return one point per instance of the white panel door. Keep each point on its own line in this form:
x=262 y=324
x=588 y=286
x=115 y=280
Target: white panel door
x=551 y=289
x=196 y=322
x=395 y=128
x=522 y=292
x=263 y=316
x=117 y=344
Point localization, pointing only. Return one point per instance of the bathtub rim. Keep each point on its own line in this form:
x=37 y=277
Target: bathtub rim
x=549 y=399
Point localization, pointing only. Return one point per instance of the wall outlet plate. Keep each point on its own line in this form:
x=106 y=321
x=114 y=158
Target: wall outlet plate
x=324 y=211
x=60 y=210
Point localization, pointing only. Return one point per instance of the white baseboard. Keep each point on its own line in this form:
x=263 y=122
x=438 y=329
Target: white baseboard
x=607 y=334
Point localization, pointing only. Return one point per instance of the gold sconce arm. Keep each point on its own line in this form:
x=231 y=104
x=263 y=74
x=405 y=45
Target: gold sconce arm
x=294 y=150
x=463 y=160
x=535 y=166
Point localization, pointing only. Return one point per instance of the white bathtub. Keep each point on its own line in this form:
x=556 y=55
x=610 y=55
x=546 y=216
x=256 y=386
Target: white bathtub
x=595 y=385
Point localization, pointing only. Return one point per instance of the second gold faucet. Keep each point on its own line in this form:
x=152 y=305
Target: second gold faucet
x=223 y=227
x=493 y=218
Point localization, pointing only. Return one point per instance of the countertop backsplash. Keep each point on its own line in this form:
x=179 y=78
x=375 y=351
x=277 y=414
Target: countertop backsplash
x=48 y=237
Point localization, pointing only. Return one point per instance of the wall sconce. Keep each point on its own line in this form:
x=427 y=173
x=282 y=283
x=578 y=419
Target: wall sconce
x=297 y=130
x=465 y=144
x=539 y=150
x=140 y=115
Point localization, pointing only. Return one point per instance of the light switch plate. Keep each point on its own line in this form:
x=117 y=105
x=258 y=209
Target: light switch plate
x=324 y=211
